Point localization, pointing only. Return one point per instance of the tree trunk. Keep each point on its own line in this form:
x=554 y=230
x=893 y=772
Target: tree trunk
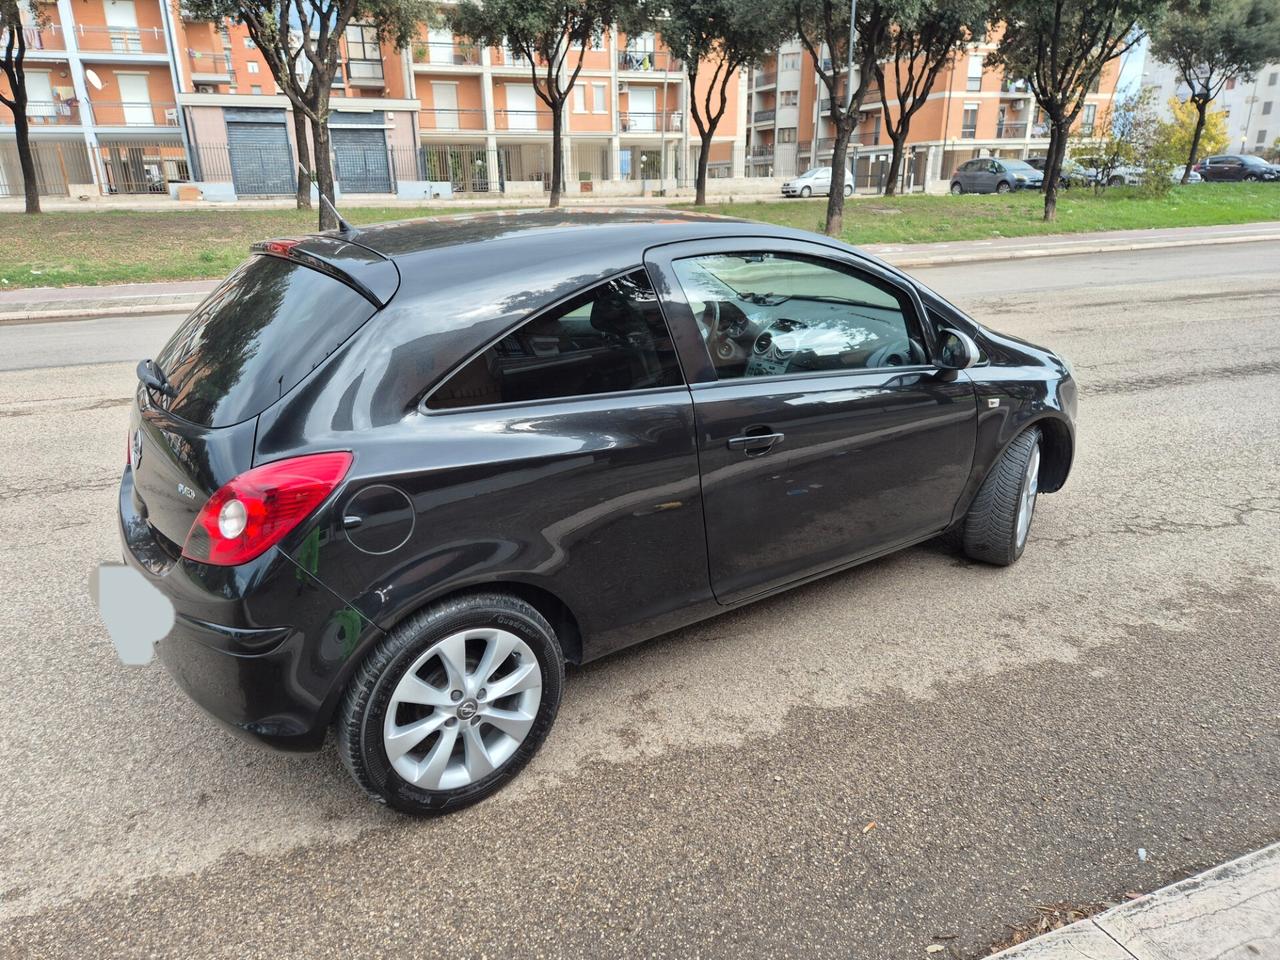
x=26 y=160
x=1202 y=107
x=303 y=170
x=835 y=200
x=895 y=164
x=704 y=157
x=1058 y=133
x=557 y=155
x=324 y=171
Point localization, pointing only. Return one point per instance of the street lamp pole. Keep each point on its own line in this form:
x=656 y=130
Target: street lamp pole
x=848 y=103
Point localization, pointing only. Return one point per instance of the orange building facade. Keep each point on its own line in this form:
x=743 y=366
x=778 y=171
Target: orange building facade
x=972 y=111
x=131 y=97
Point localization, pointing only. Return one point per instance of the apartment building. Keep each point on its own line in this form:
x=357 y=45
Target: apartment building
x=132 y=97
x=1252 y=106
x=972 y=111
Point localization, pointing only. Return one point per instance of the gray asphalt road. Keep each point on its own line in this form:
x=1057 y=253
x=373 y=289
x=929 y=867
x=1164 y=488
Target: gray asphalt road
x=1015 y=736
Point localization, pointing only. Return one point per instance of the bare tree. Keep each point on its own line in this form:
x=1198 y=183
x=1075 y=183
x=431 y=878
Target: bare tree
x=13 y=30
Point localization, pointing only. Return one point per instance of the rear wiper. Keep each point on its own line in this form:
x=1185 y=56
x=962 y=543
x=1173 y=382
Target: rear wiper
x=149 y=372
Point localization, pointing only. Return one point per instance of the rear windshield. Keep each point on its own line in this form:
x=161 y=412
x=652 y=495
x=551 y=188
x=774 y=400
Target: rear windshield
x=265 y=328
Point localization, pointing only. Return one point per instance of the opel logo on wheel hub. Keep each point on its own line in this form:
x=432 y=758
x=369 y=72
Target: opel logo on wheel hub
x=467 y=709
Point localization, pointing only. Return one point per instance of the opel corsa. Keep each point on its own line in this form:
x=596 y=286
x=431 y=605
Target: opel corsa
x=394 y=479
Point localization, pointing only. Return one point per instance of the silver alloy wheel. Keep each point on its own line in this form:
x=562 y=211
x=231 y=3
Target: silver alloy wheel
x=469 y=714
x=1027 y=498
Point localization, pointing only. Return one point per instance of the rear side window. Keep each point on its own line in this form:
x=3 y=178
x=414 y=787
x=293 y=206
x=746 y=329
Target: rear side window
x=266 y=327
x=610 y=339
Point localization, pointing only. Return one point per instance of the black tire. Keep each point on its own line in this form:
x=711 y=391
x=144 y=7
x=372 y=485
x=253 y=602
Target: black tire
x=364 y=707
x=956 y=189
x=1003 y=187
x=990 y=529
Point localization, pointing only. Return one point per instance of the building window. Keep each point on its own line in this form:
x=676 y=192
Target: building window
x=249 y=44
x=256 y=90
x=579 y=100
x=790 y=61
x=1262 y=138
x=975 y=73
x=1231 y=83
x=1086 y=122
x=1271 y=80
x=786 y=134
x=969 y=124
x=1266 y=108
x=362 y=43
x=252 y=66
x=789 y=98
x=599 y=98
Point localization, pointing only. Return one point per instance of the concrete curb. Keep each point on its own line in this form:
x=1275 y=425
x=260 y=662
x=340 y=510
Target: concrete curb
x=124 y=307
x=1231 y=912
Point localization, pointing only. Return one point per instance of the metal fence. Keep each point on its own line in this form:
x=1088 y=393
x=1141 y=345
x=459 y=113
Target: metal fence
x=131 y=167
x=57 y=164
x=466 y=167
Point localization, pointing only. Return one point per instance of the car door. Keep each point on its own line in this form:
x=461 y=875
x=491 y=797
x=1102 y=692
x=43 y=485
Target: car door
x=825 y=433
x=822 y=183
x=965 y=176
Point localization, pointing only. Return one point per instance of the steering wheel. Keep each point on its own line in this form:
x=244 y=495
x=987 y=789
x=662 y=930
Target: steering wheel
x=724 y=349
x=902 y=353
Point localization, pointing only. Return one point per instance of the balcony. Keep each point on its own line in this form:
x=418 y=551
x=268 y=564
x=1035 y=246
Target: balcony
x=1011 y=131
x=366 y=74
x=448 y=54
x=647 y=61
x=826 y=144
x=632 y=121
x=447 y=120
x=46 y=113
x=866 y=138
x=763 y=116
x=115 y=113
x=760 y=152
x=127 y=40
x=42 y=38
x=766 y=79
x=209 y=67
x=533 y=121
x=1015 y=88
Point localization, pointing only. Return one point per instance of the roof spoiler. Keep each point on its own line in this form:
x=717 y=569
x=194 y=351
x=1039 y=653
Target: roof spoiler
x=366 y=271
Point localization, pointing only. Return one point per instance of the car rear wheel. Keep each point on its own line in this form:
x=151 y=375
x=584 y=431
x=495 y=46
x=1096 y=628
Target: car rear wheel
x=806 y=193
x=848 y=190
x=452 y=704
x=956 y=189
x=1003 y=187
x=1115 y=181
x=996 y=527
x=1251 y=178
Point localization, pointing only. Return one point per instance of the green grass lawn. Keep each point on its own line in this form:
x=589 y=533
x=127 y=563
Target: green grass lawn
x=96 y=247
x=924 y=219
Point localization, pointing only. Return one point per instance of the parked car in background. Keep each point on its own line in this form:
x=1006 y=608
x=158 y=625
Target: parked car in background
x=391 y=490
x=1072 y=174
x=1229 y=167
x=815 y=182
x=1128 y=175
x=995 y=175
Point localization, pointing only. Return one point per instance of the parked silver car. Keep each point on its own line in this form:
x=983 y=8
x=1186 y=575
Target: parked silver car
x=815 y=182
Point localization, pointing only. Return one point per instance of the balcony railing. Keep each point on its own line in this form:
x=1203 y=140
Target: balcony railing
x=1011 y=131
x=761 y=151
x=48 y=37
x=866 y=138
x=209 y=67
x=968 y=132
x=94 y=39
x=647 y=60
x=632 y=121
x=115 y=113
x=766 y=79
x=365 y=73
x=826 y=144
x=46 y=113
x=441 y=119
x=448 y=54
x=763 y=116
x=1019 y=87
x=516 y=120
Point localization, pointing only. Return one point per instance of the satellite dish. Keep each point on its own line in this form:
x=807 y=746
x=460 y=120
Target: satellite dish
x=94 y=80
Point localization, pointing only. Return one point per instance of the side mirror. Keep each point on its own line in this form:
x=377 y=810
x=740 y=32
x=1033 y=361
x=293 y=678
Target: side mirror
x=956 y=350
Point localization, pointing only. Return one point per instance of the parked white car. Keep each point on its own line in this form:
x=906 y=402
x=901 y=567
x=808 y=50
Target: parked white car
x=1132 y=176
x=815 y=182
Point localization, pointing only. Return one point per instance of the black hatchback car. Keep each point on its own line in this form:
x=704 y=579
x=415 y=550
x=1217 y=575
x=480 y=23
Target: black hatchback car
x=393 y=479
x=1237 y=166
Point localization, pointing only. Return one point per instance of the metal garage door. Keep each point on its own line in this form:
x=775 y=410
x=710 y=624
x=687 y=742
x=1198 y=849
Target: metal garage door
x=261 y=155
x=360 y=160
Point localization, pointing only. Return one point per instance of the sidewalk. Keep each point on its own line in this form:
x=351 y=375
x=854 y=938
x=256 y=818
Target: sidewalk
x=1231 y=912
x=43 y=304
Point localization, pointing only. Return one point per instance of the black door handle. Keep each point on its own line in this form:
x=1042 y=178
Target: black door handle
x=756 y=440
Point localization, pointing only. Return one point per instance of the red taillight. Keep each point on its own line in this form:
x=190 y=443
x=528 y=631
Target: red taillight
x=257 y=509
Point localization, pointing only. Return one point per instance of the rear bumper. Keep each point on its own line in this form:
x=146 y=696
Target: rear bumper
x=263 y=648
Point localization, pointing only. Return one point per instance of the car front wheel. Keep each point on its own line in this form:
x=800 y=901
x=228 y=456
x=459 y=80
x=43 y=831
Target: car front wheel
x=1003 y=187
x=452 y=704
x=996 y=527
x=956 y=189
x=806 y=193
